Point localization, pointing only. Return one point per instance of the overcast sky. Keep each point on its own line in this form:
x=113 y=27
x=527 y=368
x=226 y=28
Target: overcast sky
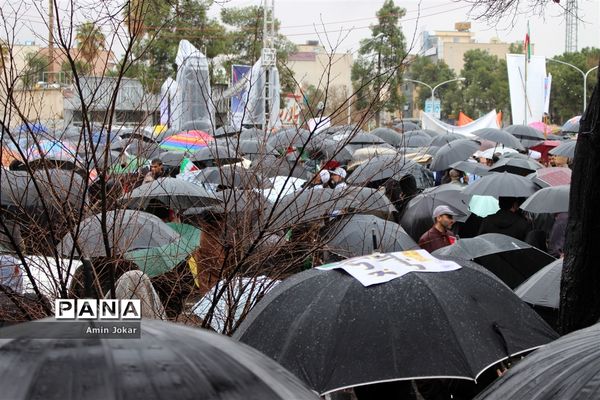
x=345 y=22
x=303 y=20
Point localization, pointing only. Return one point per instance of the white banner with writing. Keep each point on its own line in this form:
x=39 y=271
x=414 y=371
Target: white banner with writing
x=383 y=267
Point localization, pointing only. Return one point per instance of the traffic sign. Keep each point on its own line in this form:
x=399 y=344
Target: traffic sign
x=433 y=107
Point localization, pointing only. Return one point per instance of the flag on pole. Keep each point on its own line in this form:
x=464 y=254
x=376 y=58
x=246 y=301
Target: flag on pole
x=527 y=44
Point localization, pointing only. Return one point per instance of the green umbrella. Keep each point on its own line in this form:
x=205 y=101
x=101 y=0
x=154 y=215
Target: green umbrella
x=158 y=260
x=132 y=166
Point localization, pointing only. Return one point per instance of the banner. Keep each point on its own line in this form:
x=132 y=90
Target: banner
x=489 y=120
x=528 y=87
x=238 y=103
x=383 y=267
x=290 y=113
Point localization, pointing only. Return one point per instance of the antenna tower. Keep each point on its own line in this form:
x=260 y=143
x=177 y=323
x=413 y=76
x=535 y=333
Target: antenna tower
x=572 y=19
x=268 y=55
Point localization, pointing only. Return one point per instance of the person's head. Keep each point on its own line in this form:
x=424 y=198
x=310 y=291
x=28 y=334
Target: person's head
x=156 y=167
x=455 y=175
x=508 y=203
x=322 y=177
x=443 y=217
x=338 y=175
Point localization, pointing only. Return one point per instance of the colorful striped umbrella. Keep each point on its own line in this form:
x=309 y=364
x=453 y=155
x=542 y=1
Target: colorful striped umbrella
x=53 y=150
x=189 y=141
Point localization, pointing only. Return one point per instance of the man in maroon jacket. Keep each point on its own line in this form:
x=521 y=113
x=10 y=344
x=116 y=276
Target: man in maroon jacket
x=439 y=235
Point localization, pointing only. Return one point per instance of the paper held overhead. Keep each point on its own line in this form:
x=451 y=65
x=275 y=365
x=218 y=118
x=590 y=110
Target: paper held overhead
x=383 y=267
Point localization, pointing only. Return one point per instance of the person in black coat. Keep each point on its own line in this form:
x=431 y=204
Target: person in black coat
x=507 y=221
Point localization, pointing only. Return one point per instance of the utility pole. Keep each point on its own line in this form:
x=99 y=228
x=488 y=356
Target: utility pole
x=268 y=57
x=51 y=74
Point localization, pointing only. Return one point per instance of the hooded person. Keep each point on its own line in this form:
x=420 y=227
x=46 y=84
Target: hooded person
x=338 y=177
x=507 y=221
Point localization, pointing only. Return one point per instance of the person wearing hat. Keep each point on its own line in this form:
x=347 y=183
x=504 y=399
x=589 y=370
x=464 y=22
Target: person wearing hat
x=440 y=234
x=338 y=176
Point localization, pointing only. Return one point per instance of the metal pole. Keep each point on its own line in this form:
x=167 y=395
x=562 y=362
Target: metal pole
x=419 y=82
x=585 y=87
x=378 y=114
x=582 y=74
x=440 y=84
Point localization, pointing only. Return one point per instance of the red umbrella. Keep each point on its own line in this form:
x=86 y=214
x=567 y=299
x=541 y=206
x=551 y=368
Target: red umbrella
x=553 y=176
x=544 y=148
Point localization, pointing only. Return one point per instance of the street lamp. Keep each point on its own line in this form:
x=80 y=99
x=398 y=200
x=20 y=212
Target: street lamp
x=584 y=74
x=443 y=83
x=433 y=89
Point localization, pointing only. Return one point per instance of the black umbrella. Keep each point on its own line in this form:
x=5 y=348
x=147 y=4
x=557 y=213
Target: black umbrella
x=379 y=168
x=417 y=217
x=14 y=189
x=511 y=260
x=457 y=150
x=572 y=125
x=196 y=125
x=173 y=192
x=337 y=151
x=389 y=135
x=225 y=130
x=270 y=166
x=231 y=177
x=290 y=137
x=143 y=149
x=173 y=158
x=519 y=166
x=167 y=361
x=427 y=132
x=502 y=184
x=543 y=287
x=568 y=368
x=317 y=204
x=252 y=134
x=415 y=139
x=527 y=135
x=113 y=157
x=357 y=235
x=232 y=201
x=254 y=149
x=334 y=333
x=217 y=153
x=405 y=126
x=566 y=149
x=471 y=167
x=444 y=139
x=56 y=188
x=499 y=136
x=365 y=139
x=553 y=199
x=126 y=230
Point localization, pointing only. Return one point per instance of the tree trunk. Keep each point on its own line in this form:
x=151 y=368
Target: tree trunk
x=580 y=285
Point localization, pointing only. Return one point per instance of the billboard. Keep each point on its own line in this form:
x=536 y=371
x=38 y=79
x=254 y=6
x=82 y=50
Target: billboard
x=238 y=102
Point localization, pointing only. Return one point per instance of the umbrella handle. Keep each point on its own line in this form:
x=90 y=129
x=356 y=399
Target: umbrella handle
x=374 y=237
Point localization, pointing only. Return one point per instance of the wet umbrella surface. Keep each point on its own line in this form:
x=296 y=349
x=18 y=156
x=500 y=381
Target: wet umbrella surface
x=568 y=368
x=457 y=150
x=543 y=287
x=333 y=332
x=126 y=230
x=511 y=260
x=358 y=235
x=169 y=362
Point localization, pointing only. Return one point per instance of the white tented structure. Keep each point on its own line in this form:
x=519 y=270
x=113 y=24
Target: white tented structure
x=193 y=107
x=255 y=91
x=168 y=90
